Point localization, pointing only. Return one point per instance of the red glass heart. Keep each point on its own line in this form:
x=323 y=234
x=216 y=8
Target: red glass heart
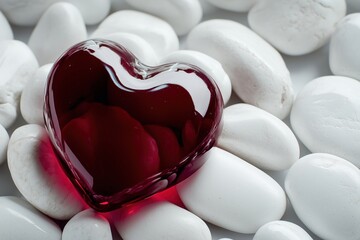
x=124 y=131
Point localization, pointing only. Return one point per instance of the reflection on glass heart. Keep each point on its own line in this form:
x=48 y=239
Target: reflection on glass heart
x=124 y=131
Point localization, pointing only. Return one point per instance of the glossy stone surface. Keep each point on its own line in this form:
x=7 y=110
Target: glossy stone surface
x=19 y=220
x=123 y=130
x=152 y=219
x=38 y=176
x=232 y=194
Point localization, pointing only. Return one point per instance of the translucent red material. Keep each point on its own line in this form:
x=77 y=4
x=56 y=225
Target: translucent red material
x=124 y=131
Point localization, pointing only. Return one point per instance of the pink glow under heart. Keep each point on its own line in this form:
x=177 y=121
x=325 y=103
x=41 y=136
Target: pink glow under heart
x=123 y=130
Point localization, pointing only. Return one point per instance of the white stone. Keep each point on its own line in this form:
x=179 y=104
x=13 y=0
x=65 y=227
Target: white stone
x=137 y=45
x=93 y=11
x=257 y=71
x=160 y=35
x=296 y=27
x=258 y=137
x=4 y=140
x=5 y=29
x=234 y=5
x=32 y=97
x=353 y=6
x=59 y=28
x=281 y=230
x=208 y=64
x=87 y=225
x=19 y=220
x=232 y=194
x=182 y=15
x=17 y=66
x=28 y=12
x=207 y=7
x=324 y=191
x=150 y=220
x=344 y=55
x=325 y=117
x=41 y=181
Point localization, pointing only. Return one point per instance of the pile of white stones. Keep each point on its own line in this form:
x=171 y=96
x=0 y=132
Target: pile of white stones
x=231 y=190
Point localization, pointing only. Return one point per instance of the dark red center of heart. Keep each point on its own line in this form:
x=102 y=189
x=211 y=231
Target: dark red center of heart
x=124 y=131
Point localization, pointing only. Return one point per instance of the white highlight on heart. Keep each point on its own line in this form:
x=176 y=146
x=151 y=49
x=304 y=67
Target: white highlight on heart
x=208 y=64
x=201 y=99
x=136 y=45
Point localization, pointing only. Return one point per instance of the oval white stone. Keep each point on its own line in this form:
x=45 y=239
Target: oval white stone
x=59 y=28
x=257 y=71
x=87 y=225
x=137 y=45
x=4 y=140
x=19 y=220
x=182 y=15
x=17 y=66
x=234 y=5
x=258 y=137
x=43 y=184
x=324 y=191
x=150 y=220
x=296 y=27
x=325 y=117
x=232 y=194
x=28 y=12
x=161 y=36
x=207 y=64
x=32 y=97
x=5 y=29
x=344 y=57
x=281 y=230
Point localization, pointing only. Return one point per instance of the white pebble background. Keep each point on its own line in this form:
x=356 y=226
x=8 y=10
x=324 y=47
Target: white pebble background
x=302 y=69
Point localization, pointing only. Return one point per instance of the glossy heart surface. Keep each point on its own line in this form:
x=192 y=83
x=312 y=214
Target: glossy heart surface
x=123 y=130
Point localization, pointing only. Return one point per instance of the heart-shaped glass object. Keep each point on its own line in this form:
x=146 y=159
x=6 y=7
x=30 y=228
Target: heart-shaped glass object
x=124 y=131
